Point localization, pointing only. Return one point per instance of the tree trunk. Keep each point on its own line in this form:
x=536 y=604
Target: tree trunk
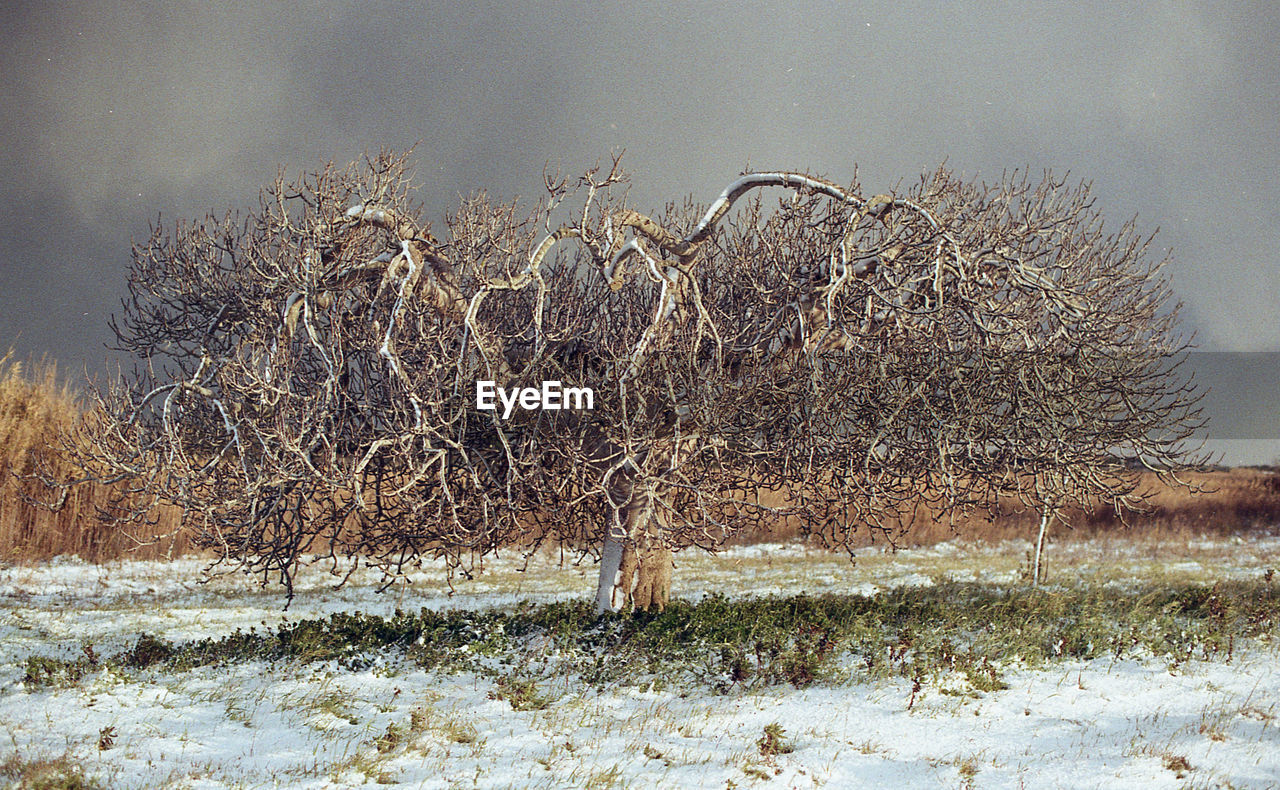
x=636 y=565
x=1045 y=519
x=610 y=563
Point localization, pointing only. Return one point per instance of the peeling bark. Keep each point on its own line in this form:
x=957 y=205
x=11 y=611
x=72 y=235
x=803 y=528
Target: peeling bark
x=636 y=561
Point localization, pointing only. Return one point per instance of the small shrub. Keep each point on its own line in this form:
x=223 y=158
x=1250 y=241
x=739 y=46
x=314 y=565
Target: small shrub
x=522 y=694
x=417 y=720
x=1178 y=764
x=106 y=738
x=774 y=741
x=42 y=672
x=390 y=739
x=148 y=651
x=755 y=772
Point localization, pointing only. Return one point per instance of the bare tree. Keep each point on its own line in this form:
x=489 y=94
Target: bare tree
x=307 y=378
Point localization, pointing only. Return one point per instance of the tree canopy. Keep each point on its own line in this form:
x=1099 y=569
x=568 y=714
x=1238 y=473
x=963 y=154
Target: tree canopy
x=307 y=373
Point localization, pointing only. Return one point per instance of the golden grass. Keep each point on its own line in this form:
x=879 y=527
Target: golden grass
x=1218 y=502
x=35 y=410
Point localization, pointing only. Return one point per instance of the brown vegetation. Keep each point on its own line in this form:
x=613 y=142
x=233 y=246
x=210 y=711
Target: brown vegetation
x=35 y=411
x=1216 y=501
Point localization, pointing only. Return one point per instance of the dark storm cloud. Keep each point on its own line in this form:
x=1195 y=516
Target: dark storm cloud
x=115 y=112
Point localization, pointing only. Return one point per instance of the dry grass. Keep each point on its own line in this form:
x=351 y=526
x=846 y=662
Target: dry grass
x=1219 y=501
x=35 y=410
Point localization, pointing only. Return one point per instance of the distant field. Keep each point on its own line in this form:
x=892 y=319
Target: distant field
x=1219 y=501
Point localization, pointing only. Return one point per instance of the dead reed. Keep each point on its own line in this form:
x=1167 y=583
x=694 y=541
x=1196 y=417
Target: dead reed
x=35 y=411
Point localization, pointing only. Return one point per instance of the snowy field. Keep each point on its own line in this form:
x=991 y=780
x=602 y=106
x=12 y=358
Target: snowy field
x=1138 y=721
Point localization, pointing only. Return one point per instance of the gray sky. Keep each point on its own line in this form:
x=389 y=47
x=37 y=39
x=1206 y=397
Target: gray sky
x=116 y=113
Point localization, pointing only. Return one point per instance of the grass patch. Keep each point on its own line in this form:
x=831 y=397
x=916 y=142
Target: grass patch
x=45 y=774
x=966 y=630
x=523 y=694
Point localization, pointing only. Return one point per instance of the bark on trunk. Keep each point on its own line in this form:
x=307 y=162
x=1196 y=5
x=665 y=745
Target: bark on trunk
x=1045 y=520
x=635 y=565
x=610 y=563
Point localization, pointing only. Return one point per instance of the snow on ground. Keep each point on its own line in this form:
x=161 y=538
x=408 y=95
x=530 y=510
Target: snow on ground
x=1125 y=723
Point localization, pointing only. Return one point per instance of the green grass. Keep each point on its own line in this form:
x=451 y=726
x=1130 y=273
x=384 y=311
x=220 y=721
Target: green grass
x=973 y=631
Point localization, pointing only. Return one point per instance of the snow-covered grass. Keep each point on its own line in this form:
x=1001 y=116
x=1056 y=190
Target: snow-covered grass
x=1123 y=718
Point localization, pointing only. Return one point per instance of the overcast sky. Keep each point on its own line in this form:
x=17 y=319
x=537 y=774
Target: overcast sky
x=116 y=113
